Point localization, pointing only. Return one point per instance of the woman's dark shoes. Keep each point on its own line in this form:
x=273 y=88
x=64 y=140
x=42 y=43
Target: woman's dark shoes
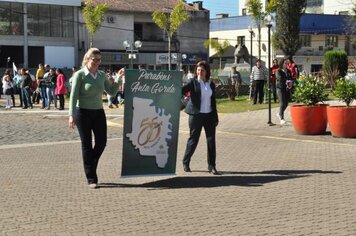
x=213 y=170
x=186 y=168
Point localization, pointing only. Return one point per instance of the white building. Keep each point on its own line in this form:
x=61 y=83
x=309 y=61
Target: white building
x=132 y=22
x=50 y=37
x=334 y=7
x=318 y=32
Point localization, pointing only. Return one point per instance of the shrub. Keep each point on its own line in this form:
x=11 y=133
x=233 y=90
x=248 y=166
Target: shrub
x=310 y=90
x=335 y=65
x=345 y=91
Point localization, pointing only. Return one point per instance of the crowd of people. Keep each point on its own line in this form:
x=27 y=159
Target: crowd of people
x=282 y=80
x=46 y=87
x=88 y=84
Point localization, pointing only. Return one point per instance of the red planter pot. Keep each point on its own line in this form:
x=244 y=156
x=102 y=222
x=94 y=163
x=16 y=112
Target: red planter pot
x=309 y=120
x=342 y=121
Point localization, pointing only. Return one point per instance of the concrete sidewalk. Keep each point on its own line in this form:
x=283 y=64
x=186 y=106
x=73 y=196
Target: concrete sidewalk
x=274 y=182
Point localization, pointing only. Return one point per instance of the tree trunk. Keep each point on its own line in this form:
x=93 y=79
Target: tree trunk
x=259 y=42
x=91 y=40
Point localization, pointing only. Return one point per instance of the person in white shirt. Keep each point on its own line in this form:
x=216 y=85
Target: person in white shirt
x=202 y=111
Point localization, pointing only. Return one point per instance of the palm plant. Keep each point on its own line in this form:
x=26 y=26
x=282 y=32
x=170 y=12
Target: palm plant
x=93 y=17
x=220 y=48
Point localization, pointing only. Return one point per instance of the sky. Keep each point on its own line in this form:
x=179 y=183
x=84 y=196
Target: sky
x=220 y=6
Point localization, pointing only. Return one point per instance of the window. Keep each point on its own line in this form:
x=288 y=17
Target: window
x=11 y=18
x=50 y=20
x=67 y=22
x=315 y=3
x=343 y=12
x=138 y=32
x=151 y=32
x=244 y=12
x=241 y=40
x=331 y=41
x=16 y=18
x=32 y=19
x=56 y=22
x=44 y=21
x=305 y=40
x=4 y=18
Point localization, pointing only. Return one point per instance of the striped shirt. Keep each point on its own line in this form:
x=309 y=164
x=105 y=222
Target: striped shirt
x=258 y=73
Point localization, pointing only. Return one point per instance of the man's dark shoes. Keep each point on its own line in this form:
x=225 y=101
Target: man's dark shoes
x=213 y=170
x=186 y=168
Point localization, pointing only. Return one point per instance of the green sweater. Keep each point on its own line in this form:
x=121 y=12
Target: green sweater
x=87 y=92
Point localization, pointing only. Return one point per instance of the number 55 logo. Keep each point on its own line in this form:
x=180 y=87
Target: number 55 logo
x=149 y=131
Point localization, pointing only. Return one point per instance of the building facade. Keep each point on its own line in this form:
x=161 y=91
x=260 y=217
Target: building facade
x=318 y=33
x=51 y=32
x=133 y=22
x=56 y=34
x=330 y=7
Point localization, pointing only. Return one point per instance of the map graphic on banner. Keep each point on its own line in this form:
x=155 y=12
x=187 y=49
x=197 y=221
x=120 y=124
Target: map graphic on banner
x=150 y=130
x=151 y=122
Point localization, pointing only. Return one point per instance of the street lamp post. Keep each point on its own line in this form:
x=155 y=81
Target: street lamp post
x=132 y=50
x=7 y=62
x=251 y=35
x=269 y=25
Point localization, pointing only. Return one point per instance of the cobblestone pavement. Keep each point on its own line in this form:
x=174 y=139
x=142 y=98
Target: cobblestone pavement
x=274 y=182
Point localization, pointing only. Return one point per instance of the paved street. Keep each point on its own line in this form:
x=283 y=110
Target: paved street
x=274 y=182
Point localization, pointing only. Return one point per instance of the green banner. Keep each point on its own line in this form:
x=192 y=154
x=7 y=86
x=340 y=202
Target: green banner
x=151 y=122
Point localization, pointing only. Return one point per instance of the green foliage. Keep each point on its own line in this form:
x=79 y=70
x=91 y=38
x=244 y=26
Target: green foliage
x=93 y=17
x=345 y=91
x=255 y=8
x=161 y=20
x=217 y=46
x=336 y=60
x=171 y=21
x=288 y=16
x=220 y=48
x=310 y=90
x=271 y=6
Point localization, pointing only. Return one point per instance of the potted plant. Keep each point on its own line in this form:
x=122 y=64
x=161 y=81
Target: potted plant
x=309 y=117
x=342 y=118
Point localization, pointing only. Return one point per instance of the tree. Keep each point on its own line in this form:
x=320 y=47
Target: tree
x=170 y=21
x=220 y=48
x=254 y=7
x=288 y=16
x=335 y=65
x=93 y=17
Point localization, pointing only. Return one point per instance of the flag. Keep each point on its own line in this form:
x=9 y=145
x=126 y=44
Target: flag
x=14 y=68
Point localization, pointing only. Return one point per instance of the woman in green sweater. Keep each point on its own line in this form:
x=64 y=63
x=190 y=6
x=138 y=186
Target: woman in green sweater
x=86 y=110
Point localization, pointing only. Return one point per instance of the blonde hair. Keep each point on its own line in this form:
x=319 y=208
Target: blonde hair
x=92 y=52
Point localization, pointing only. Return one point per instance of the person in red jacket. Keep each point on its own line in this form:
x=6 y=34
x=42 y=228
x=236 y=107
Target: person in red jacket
x=60 y=89
x=293 y=68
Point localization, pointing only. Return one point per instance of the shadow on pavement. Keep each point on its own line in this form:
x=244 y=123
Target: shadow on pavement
x=222 y=181
x=284 y=172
